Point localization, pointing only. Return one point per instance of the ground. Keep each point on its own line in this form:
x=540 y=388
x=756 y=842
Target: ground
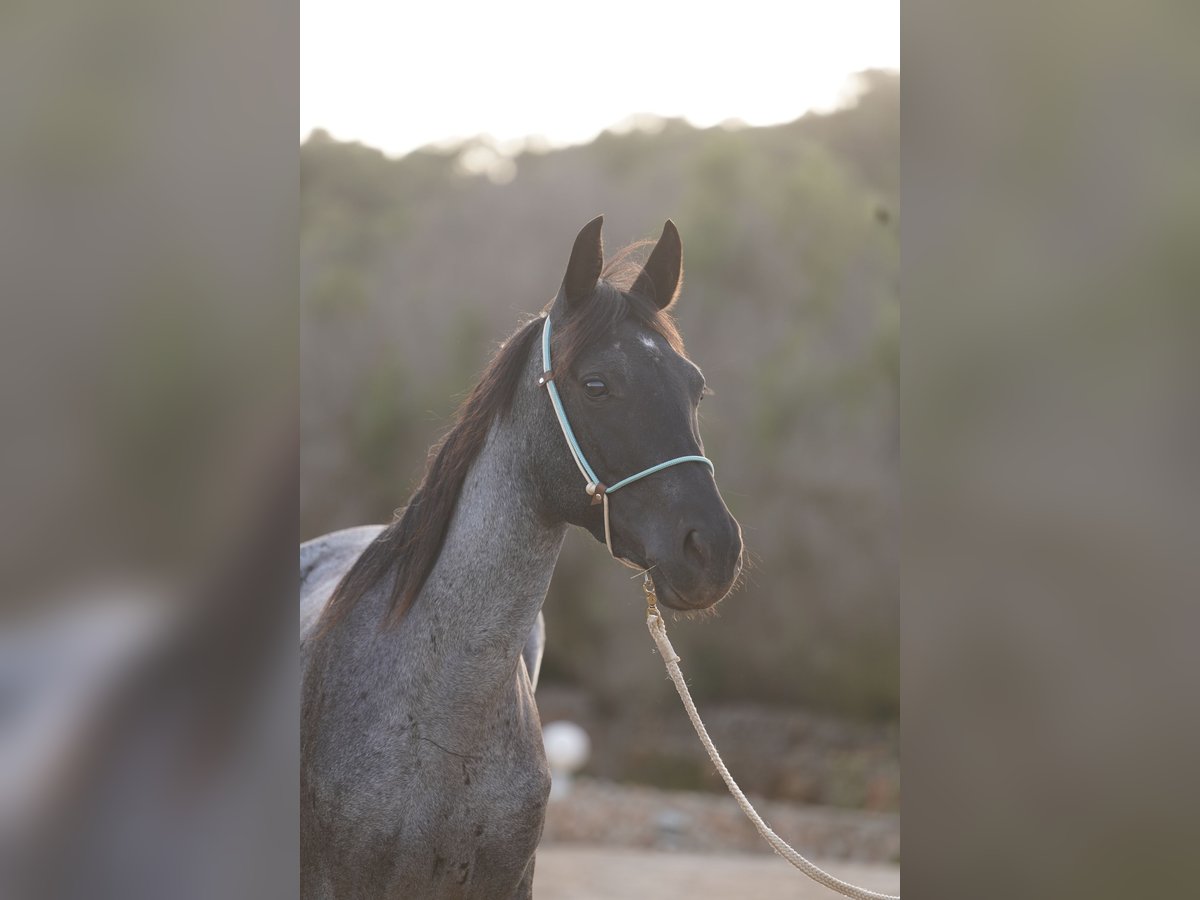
x=605 y=841
x=583 y=872
x=600 y=813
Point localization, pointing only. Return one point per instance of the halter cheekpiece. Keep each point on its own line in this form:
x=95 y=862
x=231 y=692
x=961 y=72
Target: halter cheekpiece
x=595 y=488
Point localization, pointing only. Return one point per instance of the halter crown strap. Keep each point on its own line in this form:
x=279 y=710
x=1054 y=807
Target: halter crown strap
x=595 y=488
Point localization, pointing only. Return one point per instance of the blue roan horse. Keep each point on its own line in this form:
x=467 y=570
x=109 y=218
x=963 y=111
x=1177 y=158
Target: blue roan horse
x=422 y=769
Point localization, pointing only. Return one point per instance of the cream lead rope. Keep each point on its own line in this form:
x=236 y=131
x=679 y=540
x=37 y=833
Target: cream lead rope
x=658 y=631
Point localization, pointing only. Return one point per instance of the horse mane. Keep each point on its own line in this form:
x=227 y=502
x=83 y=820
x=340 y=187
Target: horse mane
x=406 y=551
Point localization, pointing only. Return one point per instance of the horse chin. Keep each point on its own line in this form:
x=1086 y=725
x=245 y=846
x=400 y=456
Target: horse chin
x=673 y=599
x=667 y=594
x=669 y=597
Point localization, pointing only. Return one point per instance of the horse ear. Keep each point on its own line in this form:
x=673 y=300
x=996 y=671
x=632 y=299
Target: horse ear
x=660 y=277
x=587 y=259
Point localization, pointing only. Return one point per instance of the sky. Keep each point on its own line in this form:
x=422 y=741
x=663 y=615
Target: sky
x=400 y=75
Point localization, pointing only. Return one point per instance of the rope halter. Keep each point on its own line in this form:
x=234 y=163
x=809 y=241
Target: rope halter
x=595 y=488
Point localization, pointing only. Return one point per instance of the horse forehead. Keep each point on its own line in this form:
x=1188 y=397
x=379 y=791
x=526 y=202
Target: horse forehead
x=633 y=344
x=662 y=353
x=647 y=340
x=648 y=343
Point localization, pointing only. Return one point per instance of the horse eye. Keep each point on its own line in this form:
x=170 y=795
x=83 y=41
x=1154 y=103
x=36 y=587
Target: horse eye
x=595 y=387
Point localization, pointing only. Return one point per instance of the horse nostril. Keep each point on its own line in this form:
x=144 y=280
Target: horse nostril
x=696 y=547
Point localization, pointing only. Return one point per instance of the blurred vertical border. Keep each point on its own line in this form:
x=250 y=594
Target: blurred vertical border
x=148 y=341
x=1052 y=207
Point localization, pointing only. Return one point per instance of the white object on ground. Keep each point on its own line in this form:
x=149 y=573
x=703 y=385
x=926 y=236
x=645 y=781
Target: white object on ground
x=567 y=750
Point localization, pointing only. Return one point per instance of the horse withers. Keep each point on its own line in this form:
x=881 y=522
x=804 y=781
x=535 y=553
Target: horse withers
x=422 y=767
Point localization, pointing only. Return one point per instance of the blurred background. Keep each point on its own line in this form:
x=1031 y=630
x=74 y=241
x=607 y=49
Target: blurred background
x=430 y=225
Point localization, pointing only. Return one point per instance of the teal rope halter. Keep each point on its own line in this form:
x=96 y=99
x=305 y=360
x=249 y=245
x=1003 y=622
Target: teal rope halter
x=595 y=488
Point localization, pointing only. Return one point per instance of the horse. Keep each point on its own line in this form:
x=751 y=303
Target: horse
x=422 y=767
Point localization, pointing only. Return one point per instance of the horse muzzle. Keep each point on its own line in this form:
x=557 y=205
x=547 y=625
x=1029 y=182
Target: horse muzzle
x=699 y=563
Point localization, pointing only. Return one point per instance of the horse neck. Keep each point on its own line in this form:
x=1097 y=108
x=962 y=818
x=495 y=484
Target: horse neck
x=483 y=595
x=460 y=642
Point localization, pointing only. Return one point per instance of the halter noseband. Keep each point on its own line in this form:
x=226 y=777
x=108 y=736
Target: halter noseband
x=595 y=488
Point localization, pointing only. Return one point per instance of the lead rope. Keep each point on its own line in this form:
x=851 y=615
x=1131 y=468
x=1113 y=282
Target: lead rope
x=658 y=631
